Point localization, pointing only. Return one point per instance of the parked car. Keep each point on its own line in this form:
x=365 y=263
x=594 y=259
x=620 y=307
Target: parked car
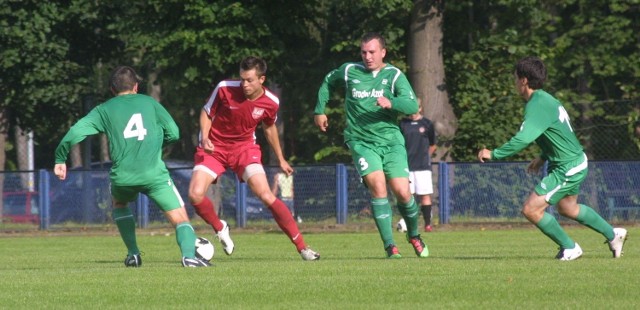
x=20 y=207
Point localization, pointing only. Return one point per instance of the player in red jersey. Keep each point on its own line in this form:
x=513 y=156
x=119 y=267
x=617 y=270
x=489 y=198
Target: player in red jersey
x=227 y=140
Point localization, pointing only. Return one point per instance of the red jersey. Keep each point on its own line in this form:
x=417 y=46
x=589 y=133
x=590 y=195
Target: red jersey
x=234 y=117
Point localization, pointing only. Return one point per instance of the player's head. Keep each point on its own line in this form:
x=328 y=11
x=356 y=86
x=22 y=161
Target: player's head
x=373 y=49
x=123 y=79
x=533 y=70
x=253 y=72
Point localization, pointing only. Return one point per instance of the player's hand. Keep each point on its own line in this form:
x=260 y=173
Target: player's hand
x=535 y=165
x=321 y=121
x=286 y=168
x=207 y=145
x=60 y=170
x=384 y=102
x=484 y=154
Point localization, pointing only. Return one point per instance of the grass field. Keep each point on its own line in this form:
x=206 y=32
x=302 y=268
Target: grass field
x=468 y=269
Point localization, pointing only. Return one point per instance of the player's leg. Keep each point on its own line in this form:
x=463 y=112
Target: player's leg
x=257 y=181
x=534 y=211
x=569 y=207
x=168 y=199
x=395 y=166
x=205 y=172
x=122 y=215
x=369 y=165
x=424 y=189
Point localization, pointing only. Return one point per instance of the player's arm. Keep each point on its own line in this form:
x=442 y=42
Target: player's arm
x=86 y=126
x=533 y=126
x=403 y=99
x=205 y=127
x=431 y=134
x=271 y=133
x=169 y=126
x=324 y=92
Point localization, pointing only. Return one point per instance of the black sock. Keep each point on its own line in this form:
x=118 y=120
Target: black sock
x=426 y=214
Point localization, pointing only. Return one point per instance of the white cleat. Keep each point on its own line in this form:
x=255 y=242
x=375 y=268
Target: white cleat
x=225 y=238
x=570 y=254
x=617 y=243
x=309 y=254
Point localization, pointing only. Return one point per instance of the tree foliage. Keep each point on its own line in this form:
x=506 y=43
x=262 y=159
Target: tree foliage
x=55 y=58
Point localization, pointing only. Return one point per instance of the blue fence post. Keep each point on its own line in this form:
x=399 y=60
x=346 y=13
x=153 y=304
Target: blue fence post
x=45 y=202
x=443 y=192
x=341 y=194
x=142 y=208
x=241 y=203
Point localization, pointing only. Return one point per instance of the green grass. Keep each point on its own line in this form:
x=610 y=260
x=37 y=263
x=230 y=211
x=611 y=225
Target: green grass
x=468 y=269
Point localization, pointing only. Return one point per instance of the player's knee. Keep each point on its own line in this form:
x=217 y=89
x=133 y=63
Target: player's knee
x=196 y=195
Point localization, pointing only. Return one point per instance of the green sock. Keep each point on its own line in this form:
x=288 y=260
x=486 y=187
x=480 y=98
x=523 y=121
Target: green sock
x=550 y=227
x=410 y=214
x=127 y=228
x=186 y=238
x=590 y=218
x=383 y=218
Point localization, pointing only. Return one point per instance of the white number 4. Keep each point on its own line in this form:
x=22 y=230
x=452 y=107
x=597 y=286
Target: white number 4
x=135 y=128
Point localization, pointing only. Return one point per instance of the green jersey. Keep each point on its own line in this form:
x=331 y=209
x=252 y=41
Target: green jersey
x=136 y=126
x=366 y=121
x=547 y=123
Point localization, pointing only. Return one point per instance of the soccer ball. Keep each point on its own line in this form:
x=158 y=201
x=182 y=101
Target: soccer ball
x=204 y=249
x=401 y=226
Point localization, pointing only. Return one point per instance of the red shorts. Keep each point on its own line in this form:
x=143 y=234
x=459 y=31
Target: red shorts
x=237 y=158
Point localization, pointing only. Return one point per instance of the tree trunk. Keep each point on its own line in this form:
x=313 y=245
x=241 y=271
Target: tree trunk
x=75 y=156
x=426 y=71
x=4 y=129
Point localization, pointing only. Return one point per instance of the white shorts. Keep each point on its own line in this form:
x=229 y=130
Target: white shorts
x=420 y=182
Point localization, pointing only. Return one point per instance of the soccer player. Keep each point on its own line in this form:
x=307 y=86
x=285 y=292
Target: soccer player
x=547 y=123
x=137 y=127
x=228 y=123
x=420 y=139
x=376 y=94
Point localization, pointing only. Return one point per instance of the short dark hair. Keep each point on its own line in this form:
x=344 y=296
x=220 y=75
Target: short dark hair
x=253 y=62
x=533 y=69
x=374 y=35
x=123 y=78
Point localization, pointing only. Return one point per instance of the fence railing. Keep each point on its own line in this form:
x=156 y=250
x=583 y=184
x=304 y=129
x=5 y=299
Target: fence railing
x=464 y=193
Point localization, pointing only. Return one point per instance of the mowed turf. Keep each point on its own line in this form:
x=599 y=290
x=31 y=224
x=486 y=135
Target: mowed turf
x=470 y=269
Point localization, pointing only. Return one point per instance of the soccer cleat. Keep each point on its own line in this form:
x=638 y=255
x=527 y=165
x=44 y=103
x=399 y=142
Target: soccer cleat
x=392 y=251
x=309 y=254
x=570 y=254
x=225 y=238
x=419 y=247
x=428 y=228
x=133 y=260
x=194 y=262
x=617 y=243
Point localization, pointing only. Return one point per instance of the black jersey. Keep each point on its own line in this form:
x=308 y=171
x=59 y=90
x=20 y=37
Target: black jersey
x=419 y=135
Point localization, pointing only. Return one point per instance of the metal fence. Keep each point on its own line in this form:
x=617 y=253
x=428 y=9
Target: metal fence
x=465 y=193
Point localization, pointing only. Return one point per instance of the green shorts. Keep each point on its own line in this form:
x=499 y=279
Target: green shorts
x=563 y=180
x=164 y=194
x=392 y=160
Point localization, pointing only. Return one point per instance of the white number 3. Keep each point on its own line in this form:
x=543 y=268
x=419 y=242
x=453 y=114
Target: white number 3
x=135 y=128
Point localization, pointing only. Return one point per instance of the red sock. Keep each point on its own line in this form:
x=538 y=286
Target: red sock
x=206 y=211
x=285 y=220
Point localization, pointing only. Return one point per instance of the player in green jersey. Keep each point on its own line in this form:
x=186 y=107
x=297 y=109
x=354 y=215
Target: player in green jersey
x=376 y=94
x=547 y=123
x=137 y=126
